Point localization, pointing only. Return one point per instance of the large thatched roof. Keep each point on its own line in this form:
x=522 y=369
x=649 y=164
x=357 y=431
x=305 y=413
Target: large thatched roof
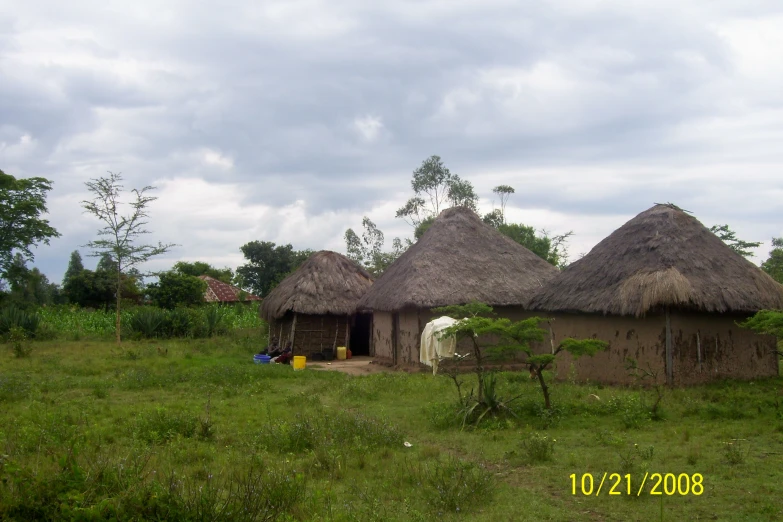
x=662 y=257
x=327 y=283
x=458 y=260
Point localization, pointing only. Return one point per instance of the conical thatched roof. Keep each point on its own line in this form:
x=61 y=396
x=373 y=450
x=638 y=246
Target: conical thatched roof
x=458 y=260
x=662 y=257
x=327 y=283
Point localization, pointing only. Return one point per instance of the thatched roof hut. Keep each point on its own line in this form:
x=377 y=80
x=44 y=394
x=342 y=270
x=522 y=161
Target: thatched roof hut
x=314 y=306
x=459 y=259
x=662 y=257
x=327 y=283
x=667 y=292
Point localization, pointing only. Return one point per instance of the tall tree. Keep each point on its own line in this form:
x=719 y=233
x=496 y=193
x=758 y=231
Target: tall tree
x=199 y=268
x=22 y=203
x=434 y=186
x=504 y=192
x=729 y=237
x=774 y=263
x=120 y=233
x=75 y=266
x=267 y=265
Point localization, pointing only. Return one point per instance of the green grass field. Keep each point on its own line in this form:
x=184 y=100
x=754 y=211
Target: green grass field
x=193 y=430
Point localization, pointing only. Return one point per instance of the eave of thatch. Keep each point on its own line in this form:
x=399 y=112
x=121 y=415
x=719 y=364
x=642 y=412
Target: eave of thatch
x=662 y=257
x=327 y=283
x=458 y=260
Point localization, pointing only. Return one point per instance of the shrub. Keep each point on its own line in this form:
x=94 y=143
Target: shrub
x=539 y=447
x=18 y=338
x=13 y=317
x=450 y=485
x=149 y=322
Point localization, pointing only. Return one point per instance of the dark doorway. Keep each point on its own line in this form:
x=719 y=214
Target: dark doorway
x=360 y=334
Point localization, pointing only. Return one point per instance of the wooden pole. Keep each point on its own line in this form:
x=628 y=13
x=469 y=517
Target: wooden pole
x=293 y=332
x=698 y=349
x=669 y=358
x=347 y=331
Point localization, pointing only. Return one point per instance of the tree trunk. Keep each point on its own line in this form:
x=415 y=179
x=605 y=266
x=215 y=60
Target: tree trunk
x=544 y=389
x=479 y=369
x=117 y=321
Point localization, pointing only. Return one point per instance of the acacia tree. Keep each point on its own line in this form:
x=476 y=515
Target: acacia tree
x=729 y=237
x=120 y=233
x=22 y=203
x=502 y=339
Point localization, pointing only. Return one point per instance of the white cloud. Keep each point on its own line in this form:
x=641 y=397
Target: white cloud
x=369 y=127
x=216 y=159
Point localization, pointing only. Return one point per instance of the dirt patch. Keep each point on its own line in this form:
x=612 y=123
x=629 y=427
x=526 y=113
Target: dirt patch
x=359 y=365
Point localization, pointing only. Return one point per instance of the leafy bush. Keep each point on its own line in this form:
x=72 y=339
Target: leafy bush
x=149 y=322
x=21 y=346
x=13 y=317
x=214 y=316
x=539 y=447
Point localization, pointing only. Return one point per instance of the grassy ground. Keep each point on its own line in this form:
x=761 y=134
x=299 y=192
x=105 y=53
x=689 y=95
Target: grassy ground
x=193 y=430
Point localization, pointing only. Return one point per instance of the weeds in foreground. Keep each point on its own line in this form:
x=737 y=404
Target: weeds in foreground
x=21 y=346
x=126 y=489
x=736 y=451
x=538 y=448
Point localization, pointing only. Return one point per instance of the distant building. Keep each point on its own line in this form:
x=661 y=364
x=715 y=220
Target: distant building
x=220 y=292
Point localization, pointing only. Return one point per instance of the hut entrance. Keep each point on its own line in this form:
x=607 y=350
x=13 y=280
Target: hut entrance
x=360 y=334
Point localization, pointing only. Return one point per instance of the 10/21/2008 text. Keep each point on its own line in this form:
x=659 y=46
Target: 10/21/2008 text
x=661 y=484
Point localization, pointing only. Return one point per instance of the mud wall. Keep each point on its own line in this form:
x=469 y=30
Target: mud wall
x=704 y=347
x=708 y=347
x=381 y=349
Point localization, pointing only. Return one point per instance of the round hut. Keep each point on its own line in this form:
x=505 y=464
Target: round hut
x=459 y=259
x=665 y=291
x=315 y=306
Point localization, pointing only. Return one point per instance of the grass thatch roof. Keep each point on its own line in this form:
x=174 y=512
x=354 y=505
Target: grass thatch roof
x=662 y=257
x=458 y=260
x=327 y=283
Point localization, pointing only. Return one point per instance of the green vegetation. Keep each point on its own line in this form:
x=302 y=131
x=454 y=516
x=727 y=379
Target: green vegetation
x=22 y=203
x=73 y=323
x=193 y=430
x=118 y=239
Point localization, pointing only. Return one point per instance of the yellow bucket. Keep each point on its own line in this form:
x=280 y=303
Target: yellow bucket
x=299 y=362
x=341 y=353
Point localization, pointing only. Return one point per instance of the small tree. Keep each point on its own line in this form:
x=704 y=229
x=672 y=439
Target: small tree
x=121 y=232
x=501 y=339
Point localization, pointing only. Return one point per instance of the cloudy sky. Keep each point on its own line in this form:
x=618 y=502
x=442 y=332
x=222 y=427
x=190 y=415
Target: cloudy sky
x=287 y=121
